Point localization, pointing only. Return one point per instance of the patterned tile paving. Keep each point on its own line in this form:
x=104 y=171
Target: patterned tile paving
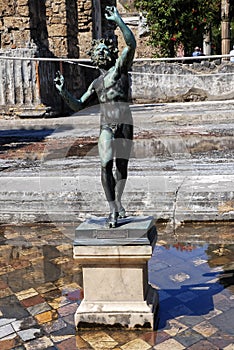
x=40 y=290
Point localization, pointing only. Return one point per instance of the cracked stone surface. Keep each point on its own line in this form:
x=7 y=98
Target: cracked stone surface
x=181 y=168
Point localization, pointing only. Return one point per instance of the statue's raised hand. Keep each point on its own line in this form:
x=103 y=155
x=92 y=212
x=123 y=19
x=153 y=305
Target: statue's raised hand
x=59 y=81
x=112 y=13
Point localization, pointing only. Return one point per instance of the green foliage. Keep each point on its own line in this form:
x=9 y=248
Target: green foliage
x=172 y=22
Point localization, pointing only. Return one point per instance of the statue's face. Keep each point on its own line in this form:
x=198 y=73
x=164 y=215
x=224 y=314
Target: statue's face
x=102 y=56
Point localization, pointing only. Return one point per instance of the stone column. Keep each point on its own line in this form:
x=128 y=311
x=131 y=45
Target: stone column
x=225 y=27
x=97 y=19
x=115 y=274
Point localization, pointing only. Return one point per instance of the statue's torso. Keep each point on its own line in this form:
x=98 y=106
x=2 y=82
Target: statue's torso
x=112 y=89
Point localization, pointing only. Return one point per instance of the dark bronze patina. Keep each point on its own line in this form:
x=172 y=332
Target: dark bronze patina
x=116 y=129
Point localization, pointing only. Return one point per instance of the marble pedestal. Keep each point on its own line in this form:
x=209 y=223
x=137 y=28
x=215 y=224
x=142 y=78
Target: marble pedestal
x=115 y=274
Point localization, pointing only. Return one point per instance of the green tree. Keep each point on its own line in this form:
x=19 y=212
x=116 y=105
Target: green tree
x=175 y=22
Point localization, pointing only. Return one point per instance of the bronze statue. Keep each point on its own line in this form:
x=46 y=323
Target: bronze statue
x=116 y=129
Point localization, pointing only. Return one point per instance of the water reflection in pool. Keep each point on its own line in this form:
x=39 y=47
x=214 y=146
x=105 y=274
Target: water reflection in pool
x=40 y=290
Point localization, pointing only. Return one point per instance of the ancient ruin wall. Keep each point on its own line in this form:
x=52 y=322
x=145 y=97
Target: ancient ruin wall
x=14 y=24
x=40 y=28
x=56 y=26
x=172 y=82
x=61 y=28
x=64 y=28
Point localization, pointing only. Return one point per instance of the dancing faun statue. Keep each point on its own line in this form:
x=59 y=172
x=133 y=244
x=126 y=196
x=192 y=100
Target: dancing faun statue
x=116 y=129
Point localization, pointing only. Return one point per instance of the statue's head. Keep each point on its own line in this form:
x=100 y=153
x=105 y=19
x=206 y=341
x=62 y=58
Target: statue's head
x=103 y=53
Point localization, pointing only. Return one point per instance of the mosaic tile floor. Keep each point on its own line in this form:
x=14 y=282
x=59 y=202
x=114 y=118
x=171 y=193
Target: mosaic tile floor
x=40 y=290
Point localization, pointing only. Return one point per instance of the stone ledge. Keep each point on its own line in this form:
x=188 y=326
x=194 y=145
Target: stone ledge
x=127 y=315
x=132 y=230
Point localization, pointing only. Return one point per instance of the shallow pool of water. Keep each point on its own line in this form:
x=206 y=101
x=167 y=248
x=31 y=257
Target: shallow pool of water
x=41 y=288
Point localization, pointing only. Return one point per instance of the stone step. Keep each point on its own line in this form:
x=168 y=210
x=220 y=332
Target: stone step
x=154 y=146
x=181 y=167
x=62 y=197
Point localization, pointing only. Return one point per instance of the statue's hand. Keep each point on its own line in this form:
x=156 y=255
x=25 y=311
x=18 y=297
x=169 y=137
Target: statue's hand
x=112 y=13
x=59 y=81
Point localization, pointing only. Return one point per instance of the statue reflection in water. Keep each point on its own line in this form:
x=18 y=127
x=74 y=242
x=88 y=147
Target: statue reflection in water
x=116 y=129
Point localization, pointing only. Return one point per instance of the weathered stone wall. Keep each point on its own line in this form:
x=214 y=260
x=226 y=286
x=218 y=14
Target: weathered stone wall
x=84 y=26
x=169 y=82
x=18 y=81
x=41 y=28
x=27 y=85
x=55 y=26
x=14 y=24
x=62 y=28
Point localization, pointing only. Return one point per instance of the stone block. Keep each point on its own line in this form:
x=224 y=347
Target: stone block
x=17 y=22
x=58 y=45
x=23 y=11
x=133 y=230
x=22 y=2
x=98 y=285
x=7 y=8
x=57 y=30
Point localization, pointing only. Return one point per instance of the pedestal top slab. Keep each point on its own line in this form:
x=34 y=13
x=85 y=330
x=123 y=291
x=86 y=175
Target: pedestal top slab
x=133 y=230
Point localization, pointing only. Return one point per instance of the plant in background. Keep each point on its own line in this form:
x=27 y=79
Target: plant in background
x=175 y=22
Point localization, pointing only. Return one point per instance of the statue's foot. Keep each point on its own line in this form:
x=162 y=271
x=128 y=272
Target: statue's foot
x=121 y=213
x=111 y=221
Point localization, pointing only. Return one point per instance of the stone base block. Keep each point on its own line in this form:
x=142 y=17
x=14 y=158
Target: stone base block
x=129 y=315
x=115 y=274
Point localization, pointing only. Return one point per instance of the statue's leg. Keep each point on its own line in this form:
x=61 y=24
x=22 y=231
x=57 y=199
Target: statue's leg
x=105 y=147
x=123 y=145
x=121 y=177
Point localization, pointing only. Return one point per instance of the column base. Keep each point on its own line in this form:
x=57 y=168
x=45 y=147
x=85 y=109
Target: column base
x=129 y=315
x=115 y=274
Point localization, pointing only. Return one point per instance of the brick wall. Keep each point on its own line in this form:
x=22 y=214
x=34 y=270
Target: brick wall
x=62 y=28
x=44 y=28
x=57 y=27
x=14 y=23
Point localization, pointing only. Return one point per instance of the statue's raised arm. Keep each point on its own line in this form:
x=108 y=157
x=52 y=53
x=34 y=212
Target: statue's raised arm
x=126 y=58
x=104 y=56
